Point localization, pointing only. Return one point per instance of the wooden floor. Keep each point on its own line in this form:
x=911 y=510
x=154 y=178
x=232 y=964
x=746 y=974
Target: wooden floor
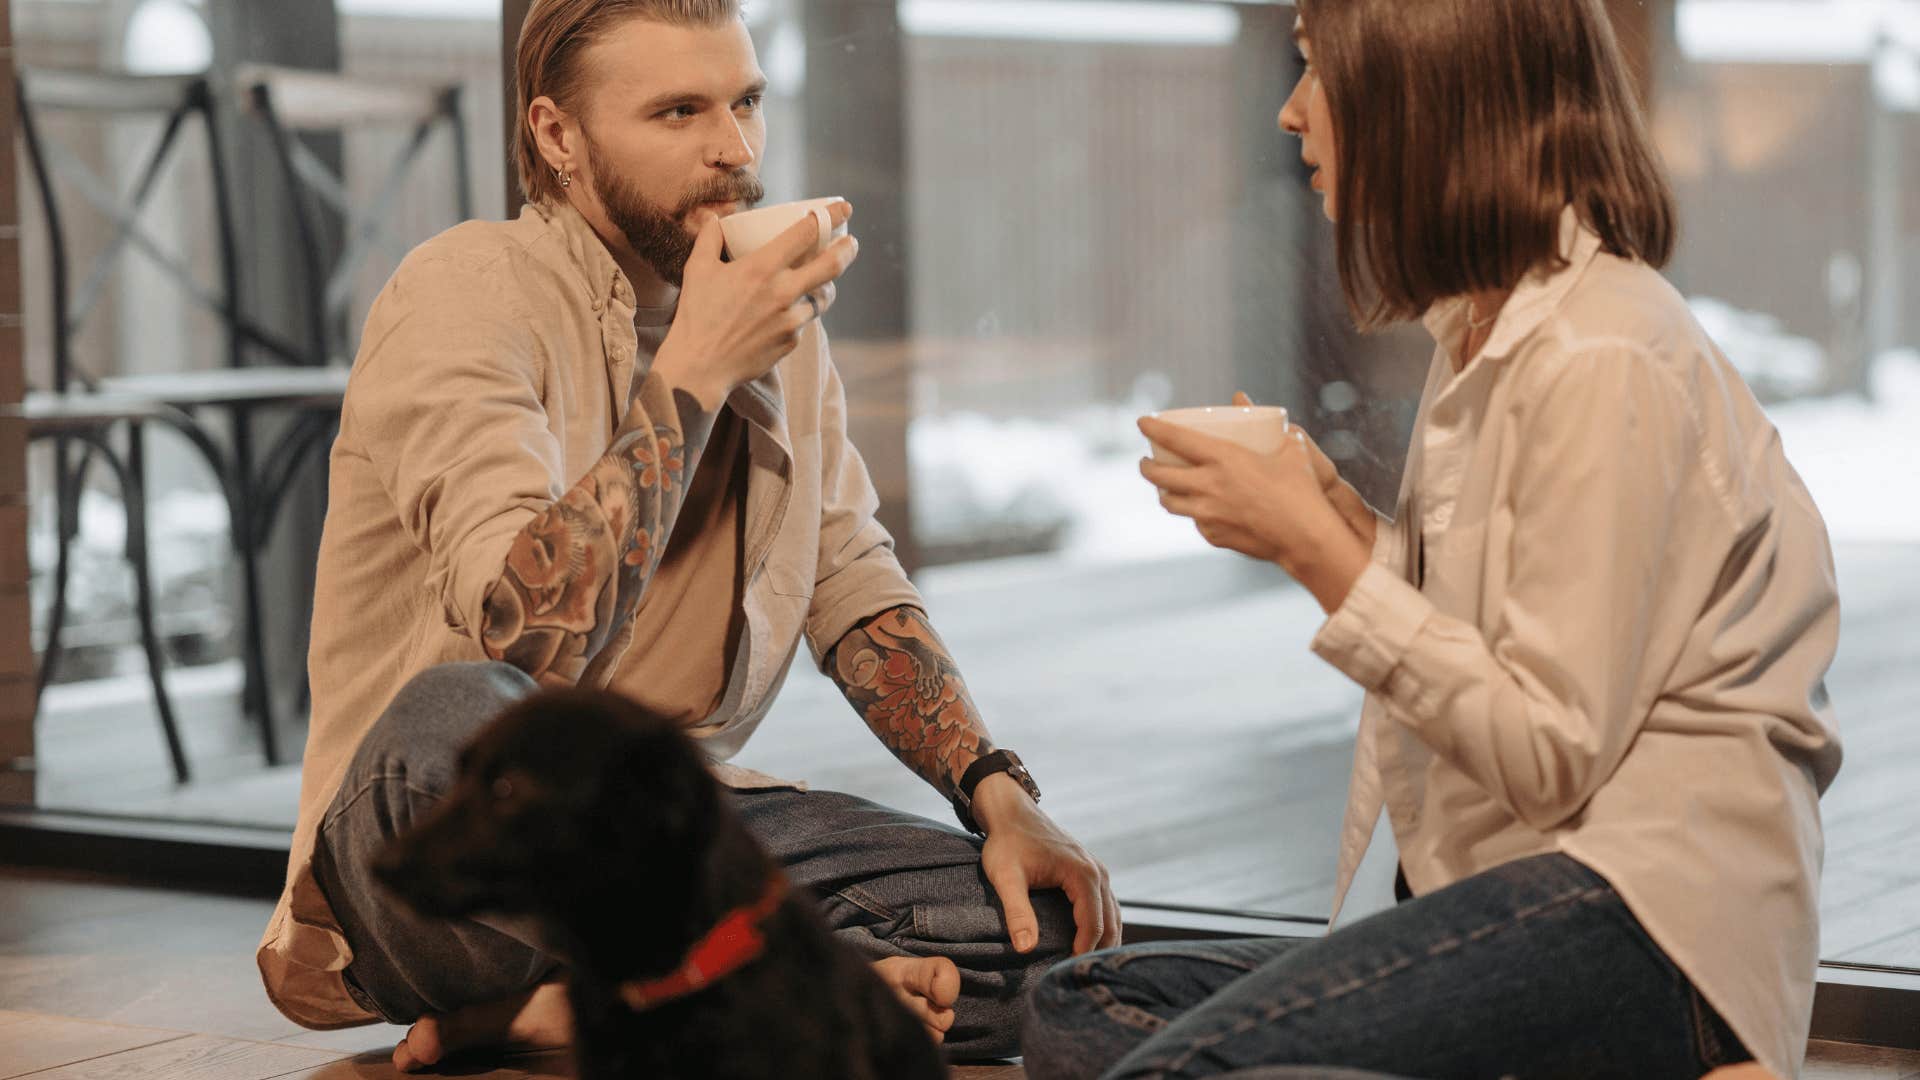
x=103 y=981
x=1175 y=718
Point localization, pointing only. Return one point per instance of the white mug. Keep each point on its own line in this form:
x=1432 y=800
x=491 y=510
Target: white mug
x=1260 y=428
x=750 y=230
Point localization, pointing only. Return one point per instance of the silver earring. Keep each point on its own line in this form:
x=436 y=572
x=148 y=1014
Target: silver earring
x=565 y=177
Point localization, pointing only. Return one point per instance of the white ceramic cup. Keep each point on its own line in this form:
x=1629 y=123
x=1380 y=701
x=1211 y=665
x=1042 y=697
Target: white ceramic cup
x=750 y=230
x=1260 y=428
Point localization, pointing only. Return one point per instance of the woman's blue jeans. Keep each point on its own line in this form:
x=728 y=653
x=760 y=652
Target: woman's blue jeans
x=1531 y=969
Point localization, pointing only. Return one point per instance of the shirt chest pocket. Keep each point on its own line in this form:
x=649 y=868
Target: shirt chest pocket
x=1452 y=567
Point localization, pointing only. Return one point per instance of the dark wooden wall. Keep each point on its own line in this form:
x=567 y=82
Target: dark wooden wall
x=16 y=624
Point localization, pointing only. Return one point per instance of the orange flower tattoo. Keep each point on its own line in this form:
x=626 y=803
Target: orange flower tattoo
x=563 y=606
x=662 y=463
x=898 y=674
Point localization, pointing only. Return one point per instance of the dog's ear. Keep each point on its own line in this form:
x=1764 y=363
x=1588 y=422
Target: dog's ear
x=674 y=797
x=653 y=788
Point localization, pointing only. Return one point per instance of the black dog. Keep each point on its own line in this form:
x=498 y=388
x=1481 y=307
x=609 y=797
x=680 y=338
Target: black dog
x=686 y=956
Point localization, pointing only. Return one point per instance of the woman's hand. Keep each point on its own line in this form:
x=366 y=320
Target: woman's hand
x=1271 y=507
x=1345 y=499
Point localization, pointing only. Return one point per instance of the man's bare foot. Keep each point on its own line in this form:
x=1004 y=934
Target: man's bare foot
x=540 y=1019
x=928 y=984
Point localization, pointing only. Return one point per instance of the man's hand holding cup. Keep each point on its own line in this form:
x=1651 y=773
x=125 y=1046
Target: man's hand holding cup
x=749 y=290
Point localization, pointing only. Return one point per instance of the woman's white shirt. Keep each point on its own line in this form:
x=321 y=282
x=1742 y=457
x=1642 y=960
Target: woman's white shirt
x=1600 y=625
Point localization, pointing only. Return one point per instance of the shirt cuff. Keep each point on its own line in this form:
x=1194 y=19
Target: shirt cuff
x=474 y=568
x=873 y=584
x=1373 y=628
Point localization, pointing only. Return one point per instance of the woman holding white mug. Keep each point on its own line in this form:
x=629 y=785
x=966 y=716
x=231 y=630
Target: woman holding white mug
x=1592 y=635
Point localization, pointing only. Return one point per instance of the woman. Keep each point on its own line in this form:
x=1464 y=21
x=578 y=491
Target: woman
x=1592 y=636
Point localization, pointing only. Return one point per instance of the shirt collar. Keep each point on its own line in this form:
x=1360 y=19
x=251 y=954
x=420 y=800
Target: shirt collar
x=604 y=279
x=598 y=272
x=1538 y=295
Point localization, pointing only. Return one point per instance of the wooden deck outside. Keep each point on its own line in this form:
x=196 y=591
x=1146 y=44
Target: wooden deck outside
x=1176 y=720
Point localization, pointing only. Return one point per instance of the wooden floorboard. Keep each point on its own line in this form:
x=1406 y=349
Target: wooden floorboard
x=195 y=1057
x=62 y=901
x=45 y=969
x=31 y=1042
x=137 y=957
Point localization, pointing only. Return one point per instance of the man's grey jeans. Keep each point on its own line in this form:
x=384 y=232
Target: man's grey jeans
x=888 y=883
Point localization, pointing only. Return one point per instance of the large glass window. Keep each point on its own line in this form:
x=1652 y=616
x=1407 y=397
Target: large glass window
x=1792 y=130
x=1100 y=219
x=389 y=108
x=1072 y=212
x=1103 y=223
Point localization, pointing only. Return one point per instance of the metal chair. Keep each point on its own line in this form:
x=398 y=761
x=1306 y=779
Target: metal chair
x=290 y=101
x=89 y=419
x=308 y=376
x=235 y=388
x=73 y=415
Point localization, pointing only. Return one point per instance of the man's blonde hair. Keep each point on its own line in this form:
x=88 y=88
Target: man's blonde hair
x=552 y=62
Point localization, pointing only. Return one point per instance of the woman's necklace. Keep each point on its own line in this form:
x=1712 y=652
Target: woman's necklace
x=1476 y=323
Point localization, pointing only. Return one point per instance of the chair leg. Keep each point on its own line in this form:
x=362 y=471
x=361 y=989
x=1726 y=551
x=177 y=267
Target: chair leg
x=256 y=697
x=65 y=530
x=136 y=504
x=313 y=430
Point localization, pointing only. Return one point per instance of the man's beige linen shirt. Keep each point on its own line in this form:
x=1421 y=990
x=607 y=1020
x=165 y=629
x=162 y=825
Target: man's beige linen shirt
x=1617 y=647
x=495 y=367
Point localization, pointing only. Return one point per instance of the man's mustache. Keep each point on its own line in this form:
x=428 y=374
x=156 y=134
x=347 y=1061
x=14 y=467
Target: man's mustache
x=741 y=187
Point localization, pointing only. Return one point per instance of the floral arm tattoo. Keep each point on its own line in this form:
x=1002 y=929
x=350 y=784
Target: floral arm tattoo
x=902 y=680
x=562 y=610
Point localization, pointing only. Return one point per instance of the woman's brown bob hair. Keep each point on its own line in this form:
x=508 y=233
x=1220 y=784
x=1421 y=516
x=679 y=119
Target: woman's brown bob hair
x=552 y=62
x=1464 y=128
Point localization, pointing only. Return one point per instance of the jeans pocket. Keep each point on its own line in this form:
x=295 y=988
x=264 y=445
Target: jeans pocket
x=854 y=906
x=956 y=924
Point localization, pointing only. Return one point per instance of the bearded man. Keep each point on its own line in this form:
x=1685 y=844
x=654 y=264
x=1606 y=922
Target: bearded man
x=582 y=448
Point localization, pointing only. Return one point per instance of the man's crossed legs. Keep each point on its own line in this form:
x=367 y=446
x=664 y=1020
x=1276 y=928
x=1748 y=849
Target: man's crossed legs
x=904 y=891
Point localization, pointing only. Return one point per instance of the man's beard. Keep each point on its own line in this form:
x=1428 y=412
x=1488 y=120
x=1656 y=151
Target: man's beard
x=658 y=235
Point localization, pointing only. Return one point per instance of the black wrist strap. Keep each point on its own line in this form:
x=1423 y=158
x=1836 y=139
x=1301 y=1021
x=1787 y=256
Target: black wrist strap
x=983 y=766
x=1000 y=761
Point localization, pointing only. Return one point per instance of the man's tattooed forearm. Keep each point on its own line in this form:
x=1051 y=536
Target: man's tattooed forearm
x=574 y=576
x=899 y=675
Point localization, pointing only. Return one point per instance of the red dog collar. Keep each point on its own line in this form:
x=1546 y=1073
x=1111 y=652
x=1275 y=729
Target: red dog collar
x=731 y=945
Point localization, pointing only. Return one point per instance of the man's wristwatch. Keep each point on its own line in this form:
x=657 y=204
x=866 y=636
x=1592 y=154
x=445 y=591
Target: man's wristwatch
x=986 y=765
